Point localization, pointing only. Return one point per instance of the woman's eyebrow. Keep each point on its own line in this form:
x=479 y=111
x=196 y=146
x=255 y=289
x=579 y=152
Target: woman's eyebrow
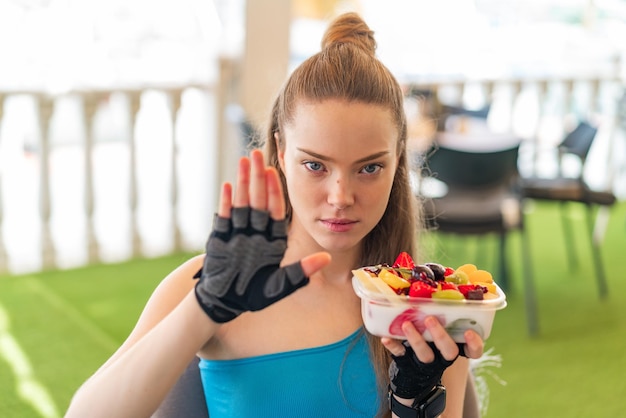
x=361 y=160
x=373 y=156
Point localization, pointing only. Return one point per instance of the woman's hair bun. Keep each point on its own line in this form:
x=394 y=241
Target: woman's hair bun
x=349 y=28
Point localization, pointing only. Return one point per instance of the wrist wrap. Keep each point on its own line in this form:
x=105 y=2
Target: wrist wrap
x=411 y=378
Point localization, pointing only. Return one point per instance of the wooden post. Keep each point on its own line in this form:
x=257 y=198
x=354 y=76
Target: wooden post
x=174 y=107
x=4 y=259
x=542 y=89
x=134 y=104
x=48 y=252
x=90 y=107
x=266 y=56
x=254 y=81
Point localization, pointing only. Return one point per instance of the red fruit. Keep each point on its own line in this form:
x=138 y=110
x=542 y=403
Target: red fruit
x=448 y=286
x=404 y=260
x=401 y=292
x=420 y=289
x=448 y=271
x=413 y=315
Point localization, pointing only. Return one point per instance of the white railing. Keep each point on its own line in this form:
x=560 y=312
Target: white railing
x=161 y=138
x=148 y=179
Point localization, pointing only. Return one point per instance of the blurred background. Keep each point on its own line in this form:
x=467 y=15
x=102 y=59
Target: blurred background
x=120 y=119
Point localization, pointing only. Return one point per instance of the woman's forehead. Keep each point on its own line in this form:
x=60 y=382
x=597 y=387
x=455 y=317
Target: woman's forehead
x=348 y=137
x=306 y=105
x=341 y=119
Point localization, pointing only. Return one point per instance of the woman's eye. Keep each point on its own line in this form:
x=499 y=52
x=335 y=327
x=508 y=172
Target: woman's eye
x=371 y=168
x=313 y=166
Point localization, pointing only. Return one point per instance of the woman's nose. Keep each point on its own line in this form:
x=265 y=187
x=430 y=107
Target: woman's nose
x=340 y=194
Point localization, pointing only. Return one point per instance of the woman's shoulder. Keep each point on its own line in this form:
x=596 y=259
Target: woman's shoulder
x=186 y=270
x=178 y=282
x=169 y=293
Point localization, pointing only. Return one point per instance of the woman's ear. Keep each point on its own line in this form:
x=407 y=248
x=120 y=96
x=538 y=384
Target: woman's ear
x=280 y=153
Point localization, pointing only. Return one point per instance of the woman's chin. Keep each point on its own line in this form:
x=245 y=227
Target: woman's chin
x=339 y=244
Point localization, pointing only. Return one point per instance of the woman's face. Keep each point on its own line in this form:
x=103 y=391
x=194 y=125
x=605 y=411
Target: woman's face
x=339 y=161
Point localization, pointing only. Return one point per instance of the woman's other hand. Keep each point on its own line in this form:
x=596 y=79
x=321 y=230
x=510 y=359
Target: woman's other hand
x=419 y=365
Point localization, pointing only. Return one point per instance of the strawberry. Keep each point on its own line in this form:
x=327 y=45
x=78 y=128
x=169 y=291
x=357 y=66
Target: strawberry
x=447 y=286
x=404 y=260
x=448 y=271
x=419 y=289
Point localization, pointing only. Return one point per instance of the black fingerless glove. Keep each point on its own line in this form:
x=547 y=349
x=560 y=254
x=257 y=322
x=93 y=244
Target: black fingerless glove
x=411 y=378
x=241 y=270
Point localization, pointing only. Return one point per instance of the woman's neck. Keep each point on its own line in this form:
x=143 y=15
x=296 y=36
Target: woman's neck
x=301 y=244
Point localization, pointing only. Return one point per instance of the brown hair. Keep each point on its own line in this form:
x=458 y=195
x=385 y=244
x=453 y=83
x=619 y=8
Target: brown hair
x=346 y=68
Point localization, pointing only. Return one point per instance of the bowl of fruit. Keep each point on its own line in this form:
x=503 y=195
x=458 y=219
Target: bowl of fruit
x=461 y=298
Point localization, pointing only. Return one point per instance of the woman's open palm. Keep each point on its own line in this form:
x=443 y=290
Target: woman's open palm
x=241 y=270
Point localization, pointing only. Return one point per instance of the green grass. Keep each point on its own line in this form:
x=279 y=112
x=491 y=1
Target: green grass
x=574 y=367
x=67 y=323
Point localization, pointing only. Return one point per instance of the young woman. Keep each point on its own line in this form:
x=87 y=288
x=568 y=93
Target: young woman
x=273 y=316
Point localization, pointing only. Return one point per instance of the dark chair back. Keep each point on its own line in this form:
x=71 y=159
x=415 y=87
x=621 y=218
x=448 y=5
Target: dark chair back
x=460 y=168
x=566 y=189
x=482 y=198
x=451 y=110
x=579 y=141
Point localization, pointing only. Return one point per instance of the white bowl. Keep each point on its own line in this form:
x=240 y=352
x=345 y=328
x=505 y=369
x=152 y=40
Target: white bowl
x=383 y=314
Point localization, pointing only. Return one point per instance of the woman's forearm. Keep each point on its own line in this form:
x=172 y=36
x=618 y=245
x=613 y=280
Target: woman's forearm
x=137 y=382
x=455 y=381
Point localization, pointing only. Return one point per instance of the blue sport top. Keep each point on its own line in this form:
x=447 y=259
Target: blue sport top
x=332 y=380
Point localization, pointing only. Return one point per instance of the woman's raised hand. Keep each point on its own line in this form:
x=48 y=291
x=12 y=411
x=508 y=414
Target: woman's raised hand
x=241 y=270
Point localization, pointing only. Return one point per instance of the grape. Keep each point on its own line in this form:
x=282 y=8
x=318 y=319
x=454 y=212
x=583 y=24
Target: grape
x=438 y=271
x=424 y=274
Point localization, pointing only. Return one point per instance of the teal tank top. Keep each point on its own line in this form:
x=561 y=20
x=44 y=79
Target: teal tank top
x=327 y=381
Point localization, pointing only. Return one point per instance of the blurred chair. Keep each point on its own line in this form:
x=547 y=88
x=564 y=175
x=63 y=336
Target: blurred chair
x=448 y=112
x=482 y=198
x=443 y=112
x=186 y=398
x=567 y=189
x=481 y=113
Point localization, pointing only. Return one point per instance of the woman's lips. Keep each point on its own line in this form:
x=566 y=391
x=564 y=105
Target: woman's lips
x=339 y=225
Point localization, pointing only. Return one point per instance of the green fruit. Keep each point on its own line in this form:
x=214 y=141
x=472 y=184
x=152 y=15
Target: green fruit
x=404 y=272
x=448 y=294
x=458 y=277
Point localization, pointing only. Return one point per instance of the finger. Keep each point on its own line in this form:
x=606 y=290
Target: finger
x=314 y=262
x=444 y=342
x=275 y=198
x=226 y=200
x=242 y=197
x=395 y=347
x=421 y=348
x=474 y=344
x=258 y=187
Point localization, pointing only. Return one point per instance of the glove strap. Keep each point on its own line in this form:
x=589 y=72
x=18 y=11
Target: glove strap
x=430 y=406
